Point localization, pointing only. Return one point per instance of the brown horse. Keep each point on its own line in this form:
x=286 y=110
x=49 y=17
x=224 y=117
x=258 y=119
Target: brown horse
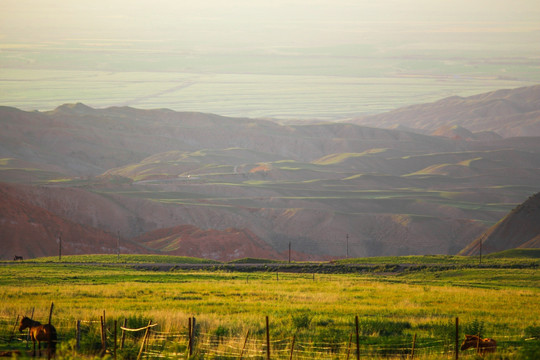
x=40 y=333
x=482 y=346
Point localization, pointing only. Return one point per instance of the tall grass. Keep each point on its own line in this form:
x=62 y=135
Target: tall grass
x=320 y=312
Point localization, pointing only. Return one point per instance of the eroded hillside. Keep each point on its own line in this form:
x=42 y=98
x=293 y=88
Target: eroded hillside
x=145 y=173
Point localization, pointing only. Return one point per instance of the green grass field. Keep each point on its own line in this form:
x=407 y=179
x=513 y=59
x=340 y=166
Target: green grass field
x=499 y=301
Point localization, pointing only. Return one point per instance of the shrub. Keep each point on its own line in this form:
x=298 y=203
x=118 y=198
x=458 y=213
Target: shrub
x=380 y=327
x=532 y=332
x=530 y=350
x=301 y=321
x=476 y=327
x=220 y=333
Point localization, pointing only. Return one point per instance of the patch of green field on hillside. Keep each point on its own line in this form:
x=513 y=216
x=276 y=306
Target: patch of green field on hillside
x=333 y=159
x=127 y=258
x=516 y=253
x=530 y=257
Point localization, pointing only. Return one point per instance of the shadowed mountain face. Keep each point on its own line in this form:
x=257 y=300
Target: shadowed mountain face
x=519 y=229
x=251 y=187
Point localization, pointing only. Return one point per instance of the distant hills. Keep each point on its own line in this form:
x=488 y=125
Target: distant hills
x=508 y=113
x=205 y=185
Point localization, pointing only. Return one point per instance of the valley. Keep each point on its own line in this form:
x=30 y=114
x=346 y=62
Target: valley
x=204 y=185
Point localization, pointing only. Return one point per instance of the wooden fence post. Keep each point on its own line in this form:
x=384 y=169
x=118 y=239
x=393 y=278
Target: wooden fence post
x=413 y=345
x=49 y=345
x=267 y=339
x=28 y=332
x=292 y=346
x=78 y=336
x=123 y=335
x=244 y=347
x=103 y=337
x=349 y=346
x=146 y=335
x=115 y=337
x=14 y=328
x=357 y=338
x=50 y=312
x=190 y=338
x=457 y=338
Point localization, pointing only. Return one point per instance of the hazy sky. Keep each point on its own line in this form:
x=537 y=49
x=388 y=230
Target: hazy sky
x=237 y=23
x=347 y=56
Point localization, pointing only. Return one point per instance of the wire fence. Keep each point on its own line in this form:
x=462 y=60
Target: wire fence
x=149 y=342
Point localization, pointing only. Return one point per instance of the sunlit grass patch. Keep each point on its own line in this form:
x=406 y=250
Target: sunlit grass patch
x=320 y=310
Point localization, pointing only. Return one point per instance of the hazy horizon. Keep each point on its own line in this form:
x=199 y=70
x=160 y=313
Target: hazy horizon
x=300 y=58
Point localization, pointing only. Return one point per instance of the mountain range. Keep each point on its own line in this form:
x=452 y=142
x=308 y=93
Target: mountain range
x=426 y=179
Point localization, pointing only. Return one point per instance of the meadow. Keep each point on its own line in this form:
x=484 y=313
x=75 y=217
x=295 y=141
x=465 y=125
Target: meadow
x=498 y=300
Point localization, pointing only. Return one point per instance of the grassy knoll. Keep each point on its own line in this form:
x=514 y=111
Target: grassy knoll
x=500 y=303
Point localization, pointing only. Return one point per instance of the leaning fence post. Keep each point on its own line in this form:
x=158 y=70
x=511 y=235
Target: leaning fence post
x=145 y=338
x=14 y=328
x=292 y=346
x=357 y=338
x=457 y=338
x=267 y=339
x=413 y=345
x=244 y=347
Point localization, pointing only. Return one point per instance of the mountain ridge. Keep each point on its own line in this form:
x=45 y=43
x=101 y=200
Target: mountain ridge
x=507 y=112
x=136 y=172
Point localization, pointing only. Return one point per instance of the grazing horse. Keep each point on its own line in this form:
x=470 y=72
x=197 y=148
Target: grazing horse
x=17 y=257
x=482 y=346
x=40 y=333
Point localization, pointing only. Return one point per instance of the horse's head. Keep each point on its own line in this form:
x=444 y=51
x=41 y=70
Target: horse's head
x=470 y=341
x=25 y=323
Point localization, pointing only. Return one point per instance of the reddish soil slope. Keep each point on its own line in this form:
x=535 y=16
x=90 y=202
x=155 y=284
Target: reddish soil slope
x=30 y=231
x=224 y=245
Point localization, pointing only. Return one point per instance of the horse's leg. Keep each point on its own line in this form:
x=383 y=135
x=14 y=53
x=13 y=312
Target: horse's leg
x=39 y=347
x=34 y=351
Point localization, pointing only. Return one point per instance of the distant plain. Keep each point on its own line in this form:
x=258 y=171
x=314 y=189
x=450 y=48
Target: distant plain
x=317 y=84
